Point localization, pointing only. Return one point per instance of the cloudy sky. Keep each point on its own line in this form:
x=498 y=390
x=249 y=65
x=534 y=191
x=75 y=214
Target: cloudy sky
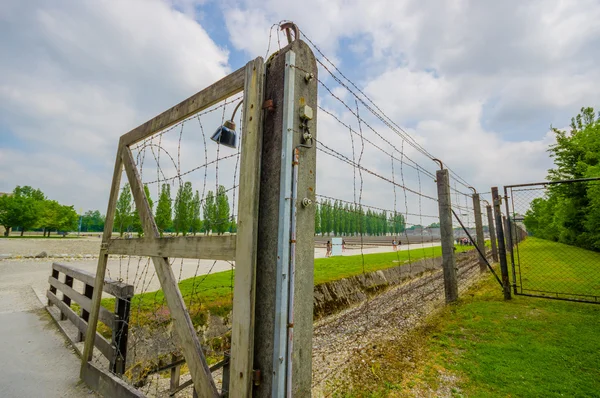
x=476 y=83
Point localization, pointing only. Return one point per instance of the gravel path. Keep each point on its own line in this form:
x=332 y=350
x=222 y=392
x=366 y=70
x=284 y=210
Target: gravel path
x=31 y=247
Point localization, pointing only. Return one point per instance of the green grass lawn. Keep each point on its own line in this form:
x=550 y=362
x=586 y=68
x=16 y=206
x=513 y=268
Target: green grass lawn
x=487 y=347
x=556 y=267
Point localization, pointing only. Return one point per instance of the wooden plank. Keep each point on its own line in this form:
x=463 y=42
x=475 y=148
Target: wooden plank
x=226 y=87
x=198 y=247
x=102 y=262
x=242 y=335
x=106 y=317
x=107 y=384
x=190 y=382
x=115 y=288
x=175 y=375
x=192 y=350
x=103 y=345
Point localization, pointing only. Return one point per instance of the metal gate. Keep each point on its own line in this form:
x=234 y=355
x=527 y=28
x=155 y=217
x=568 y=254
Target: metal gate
x=552 y=239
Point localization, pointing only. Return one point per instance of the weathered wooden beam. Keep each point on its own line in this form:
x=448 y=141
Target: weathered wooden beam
x=188 y=383
x=217 y=92
x=199 y=247
x=242 y=335
x=107 y=384
x=192 y=350
x=103 y=345
x=105 y=316
x=88 y=350
x=115 y=288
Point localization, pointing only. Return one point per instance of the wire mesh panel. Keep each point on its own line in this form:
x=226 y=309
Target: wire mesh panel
x=555 y=236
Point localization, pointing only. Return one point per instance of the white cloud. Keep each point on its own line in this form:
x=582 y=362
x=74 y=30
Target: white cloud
x=76 y=75
x=477 y=83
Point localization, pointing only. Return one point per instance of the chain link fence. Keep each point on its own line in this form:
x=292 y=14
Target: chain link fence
x=556 y=239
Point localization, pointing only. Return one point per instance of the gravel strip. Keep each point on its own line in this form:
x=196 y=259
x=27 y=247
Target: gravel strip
x=338 y=338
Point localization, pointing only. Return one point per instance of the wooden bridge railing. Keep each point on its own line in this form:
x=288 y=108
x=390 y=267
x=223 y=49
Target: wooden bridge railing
x=118 y=321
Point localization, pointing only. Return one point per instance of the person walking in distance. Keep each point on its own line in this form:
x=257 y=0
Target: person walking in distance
x=328 y=254
x=394 y=247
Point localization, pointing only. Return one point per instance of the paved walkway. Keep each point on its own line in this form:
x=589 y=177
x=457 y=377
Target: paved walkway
x=36 y=360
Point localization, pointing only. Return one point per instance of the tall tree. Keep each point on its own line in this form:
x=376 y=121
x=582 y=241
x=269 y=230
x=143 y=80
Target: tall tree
x=163 y=209
x=209 y=212
x=27 y=203
x=336 y=219
x=123 y=210
x=182 y=221
x=317 y=219
x=56 y=217
x=195 y=214
x=570 y=213
x=92 y=221
x=222 y=220
x=9 y=216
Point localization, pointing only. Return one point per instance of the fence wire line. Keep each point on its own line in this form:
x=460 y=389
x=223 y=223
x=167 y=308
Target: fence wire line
x=340 y=337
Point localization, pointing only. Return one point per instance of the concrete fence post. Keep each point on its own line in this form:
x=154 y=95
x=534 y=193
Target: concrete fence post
x=285 y=263
x=492 y=230
x=447 y=236
x=501 y=244
x=479 y=231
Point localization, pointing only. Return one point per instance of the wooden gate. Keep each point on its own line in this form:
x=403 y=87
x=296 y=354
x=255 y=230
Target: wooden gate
x=240 y=248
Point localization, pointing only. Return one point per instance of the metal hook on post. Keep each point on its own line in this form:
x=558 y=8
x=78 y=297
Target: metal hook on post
x=288 y=26
x=473 y=189
x=439 y=162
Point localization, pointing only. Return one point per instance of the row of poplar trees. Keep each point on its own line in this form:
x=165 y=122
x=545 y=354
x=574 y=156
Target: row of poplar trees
x=342 y=219
x=186 y=215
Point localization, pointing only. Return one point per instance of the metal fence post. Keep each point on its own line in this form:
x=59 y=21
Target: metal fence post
x=501 y=243
x=492 y=230
x=447 y=236
x=510 y=226
x=479 y=231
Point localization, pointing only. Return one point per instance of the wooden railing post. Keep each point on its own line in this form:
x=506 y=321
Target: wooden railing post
x=87 y=292
x=66 y=299
x=120 y=334
x=52 y=288
x=226 y=375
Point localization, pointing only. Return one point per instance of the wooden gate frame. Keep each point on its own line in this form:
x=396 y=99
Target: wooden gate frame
x=241 y=248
